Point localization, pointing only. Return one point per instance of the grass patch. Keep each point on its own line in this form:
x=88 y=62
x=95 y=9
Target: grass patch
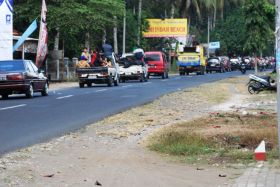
x=219 y=137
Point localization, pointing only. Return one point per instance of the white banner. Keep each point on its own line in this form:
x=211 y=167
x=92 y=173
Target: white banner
x=6 y=29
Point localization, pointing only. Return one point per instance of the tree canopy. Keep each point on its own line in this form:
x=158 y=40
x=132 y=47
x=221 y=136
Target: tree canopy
x=242 y=26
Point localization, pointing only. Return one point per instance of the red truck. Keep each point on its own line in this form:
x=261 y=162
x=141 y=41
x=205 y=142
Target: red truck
x=157 y=64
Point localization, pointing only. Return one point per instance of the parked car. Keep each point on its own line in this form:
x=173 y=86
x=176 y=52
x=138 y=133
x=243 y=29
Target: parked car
x=132 y=69
x=21 y=77
x=215 y=64
x=157 y=64
x=100 y=74
x=226 y=62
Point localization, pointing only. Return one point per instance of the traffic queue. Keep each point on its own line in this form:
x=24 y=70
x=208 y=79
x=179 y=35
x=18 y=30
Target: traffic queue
x=105 y=67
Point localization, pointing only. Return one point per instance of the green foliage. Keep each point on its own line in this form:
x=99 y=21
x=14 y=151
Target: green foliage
x=231 y=32
x=73 y=18
x=259 y=21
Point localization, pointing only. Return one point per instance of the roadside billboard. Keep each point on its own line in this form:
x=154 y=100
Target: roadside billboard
x=159 y=28
x=6 y=29
x=214 y=45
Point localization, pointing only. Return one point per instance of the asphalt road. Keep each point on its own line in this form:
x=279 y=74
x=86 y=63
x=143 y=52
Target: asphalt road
x=24 y=122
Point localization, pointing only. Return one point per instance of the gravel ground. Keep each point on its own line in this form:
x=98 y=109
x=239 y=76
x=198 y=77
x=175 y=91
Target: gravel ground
x=112 y=152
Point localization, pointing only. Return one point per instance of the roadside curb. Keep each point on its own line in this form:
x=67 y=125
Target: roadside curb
x=260 y=175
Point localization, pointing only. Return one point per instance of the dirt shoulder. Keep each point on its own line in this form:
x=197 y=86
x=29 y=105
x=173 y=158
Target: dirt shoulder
x=113 y=150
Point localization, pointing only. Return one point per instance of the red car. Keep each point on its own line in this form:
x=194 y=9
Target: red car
x=21 y=77
x=157 y=64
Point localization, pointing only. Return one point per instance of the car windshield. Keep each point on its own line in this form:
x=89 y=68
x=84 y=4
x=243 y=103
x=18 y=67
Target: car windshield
x=213 y=60
x=11 y=66
x=152 y=57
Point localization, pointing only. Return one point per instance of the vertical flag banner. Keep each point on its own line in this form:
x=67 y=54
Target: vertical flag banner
x=6 y=29
x=42 y=49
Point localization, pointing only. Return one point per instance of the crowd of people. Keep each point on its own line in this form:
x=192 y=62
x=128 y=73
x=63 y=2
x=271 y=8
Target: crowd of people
x=95 y=58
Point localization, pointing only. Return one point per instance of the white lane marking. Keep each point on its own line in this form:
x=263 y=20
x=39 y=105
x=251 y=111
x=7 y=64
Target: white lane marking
x=177 y=78
x=59 y=93
x=64 y=97
x=127 y=86
x=11 y=107
x=102 y=90
x=164 y=80
x=147 y=83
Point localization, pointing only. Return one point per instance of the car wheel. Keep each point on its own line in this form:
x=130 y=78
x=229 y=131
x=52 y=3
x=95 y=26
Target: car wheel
x=110 y=81
x=167 y=75
x=163 y=75
x=30 y=91
x=81 y=85
x=116 y=82
x=45 y=91
x=142 y=77
x=5 y=96
x=89 y=84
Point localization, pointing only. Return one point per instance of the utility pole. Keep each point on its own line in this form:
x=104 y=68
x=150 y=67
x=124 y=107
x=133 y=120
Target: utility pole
x=124 y=29
x=139 y=21
x=208 y=36
x=277 y=46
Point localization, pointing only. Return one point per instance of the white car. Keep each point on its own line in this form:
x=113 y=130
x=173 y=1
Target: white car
x=132 y=69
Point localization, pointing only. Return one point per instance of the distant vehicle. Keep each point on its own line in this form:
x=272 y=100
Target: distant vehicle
x=21 y=77
x=243 y=68
x=157 y=64
x=132 y=69
x=248 y=63
x=215 y=64
x=191 y=60
x=226 y=62
x=100 y=74
x=235 y=63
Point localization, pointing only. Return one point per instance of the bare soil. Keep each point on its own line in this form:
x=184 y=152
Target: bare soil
x=112 y=152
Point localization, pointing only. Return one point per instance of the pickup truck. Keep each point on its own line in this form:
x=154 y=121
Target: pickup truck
x=132 y=69
x=100 y=75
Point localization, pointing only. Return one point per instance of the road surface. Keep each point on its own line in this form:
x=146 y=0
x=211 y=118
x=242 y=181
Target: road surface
x=24 y=122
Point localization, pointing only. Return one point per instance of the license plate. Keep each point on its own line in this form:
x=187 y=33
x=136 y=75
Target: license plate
x=189 y=67
x=212 y=65
x=92 y=77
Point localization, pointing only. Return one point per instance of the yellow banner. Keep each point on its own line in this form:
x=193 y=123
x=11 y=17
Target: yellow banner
x=166 y=28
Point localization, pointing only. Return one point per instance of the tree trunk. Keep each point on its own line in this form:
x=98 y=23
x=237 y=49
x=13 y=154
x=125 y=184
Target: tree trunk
x=115 y=36
x=172 y=12
x=215 y=17
x=87 y=42
x=56 y=39
x=104 y=37
x=139 y=22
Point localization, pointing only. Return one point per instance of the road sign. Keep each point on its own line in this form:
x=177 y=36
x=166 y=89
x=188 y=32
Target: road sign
x=214 y=45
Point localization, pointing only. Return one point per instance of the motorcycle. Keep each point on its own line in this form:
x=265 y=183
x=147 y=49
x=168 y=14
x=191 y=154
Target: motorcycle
x=243 y=68
x=257 y=84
